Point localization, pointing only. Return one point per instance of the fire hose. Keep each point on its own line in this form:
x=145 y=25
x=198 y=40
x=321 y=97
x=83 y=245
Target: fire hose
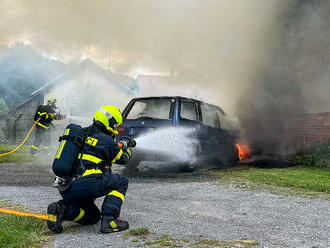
x=17 y=148
x=20 y=213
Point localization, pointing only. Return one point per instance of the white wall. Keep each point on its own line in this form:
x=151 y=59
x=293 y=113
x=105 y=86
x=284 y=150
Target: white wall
x=83 y=93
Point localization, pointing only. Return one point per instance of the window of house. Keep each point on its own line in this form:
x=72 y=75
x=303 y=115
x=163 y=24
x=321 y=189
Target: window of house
x=189 y=110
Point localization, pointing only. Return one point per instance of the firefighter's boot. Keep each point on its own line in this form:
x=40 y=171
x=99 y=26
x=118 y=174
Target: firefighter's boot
x=110 y=224
x=56 y=212
x=34 y=150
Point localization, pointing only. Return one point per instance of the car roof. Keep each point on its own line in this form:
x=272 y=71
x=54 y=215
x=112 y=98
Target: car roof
x=176 y=97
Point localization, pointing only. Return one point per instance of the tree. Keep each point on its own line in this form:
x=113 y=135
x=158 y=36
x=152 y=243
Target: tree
x=3 y=105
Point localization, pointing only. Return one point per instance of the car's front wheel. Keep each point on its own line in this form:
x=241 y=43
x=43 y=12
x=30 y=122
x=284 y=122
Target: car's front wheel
x=189 y=166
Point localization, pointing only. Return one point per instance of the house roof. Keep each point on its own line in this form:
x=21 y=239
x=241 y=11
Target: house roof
x=86 y=64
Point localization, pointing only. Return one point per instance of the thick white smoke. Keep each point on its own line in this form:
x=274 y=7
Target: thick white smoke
x=215 y=47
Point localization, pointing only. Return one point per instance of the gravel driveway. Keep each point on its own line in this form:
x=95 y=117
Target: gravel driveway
x=191 y=210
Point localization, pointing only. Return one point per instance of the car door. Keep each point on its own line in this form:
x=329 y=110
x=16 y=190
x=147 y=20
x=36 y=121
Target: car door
x=189 y=117
x=217 y=145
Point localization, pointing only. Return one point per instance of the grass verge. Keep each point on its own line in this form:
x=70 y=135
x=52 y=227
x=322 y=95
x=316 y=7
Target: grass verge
x=137 y=232
x=20 y=156
x=299 y=179
x=21 y=232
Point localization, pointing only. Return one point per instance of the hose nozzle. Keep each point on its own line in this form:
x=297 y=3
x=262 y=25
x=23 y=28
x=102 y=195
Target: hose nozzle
x=126 y=142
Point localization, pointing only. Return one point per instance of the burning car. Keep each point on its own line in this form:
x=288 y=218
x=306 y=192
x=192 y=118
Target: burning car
x=214 y=145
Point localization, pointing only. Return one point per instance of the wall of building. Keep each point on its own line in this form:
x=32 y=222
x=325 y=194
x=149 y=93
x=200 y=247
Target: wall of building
x=79 y=96
x=305 y=130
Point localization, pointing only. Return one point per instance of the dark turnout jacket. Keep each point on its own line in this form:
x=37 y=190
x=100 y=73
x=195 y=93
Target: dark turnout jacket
x=46 y=113
x=99 y=148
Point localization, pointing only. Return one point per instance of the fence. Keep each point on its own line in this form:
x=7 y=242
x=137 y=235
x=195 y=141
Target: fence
x=15 y=127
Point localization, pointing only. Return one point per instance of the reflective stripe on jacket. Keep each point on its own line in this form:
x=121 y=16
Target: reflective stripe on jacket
x=98 y=148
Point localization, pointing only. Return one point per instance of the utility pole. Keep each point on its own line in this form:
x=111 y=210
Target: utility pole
x=109 y=65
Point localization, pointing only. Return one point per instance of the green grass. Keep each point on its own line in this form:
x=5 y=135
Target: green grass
x=20 y=156
x=141 y=231
x=299 y=177
x=21 y=232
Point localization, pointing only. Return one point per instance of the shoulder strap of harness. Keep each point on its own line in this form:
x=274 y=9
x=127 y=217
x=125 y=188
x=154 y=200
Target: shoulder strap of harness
x=76 y=139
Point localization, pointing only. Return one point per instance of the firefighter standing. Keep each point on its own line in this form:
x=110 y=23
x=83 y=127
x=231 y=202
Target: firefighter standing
x=92 y=178
x=47 y=114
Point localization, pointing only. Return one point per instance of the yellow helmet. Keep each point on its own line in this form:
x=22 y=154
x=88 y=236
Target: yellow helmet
x=110 y=117
x=51 y=100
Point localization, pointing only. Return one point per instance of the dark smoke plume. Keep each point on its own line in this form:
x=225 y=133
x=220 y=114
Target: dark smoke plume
x=297 y=79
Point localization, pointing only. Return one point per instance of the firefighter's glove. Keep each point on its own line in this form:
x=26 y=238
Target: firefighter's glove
x=125 y=157
x=59 y=181
x=131 y=143
x=129 y=152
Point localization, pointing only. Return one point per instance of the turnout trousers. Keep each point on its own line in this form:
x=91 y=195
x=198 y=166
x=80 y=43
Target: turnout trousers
x=42 y=136
x=80 y=196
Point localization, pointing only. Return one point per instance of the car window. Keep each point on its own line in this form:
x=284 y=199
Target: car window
x=210 y=115
x=189 y=110
x=152 y=109
x=222 y=118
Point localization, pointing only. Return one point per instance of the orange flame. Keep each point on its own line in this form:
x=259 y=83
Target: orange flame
x=244 y=150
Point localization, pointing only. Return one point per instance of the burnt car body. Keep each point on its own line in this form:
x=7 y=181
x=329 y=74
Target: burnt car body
x=216 y=145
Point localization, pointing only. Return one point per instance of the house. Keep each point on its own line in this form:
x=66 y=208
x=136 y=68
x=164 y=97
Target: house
x=79 y=91
x=154 y=85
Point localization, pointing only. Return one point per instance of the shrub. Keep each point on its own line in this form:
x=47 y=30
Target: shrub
x=318 y=155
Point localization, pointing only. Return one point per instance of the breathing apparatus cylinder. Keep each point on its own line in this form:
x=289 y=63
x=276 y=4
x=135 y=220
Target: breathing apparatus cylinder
x=68 y=150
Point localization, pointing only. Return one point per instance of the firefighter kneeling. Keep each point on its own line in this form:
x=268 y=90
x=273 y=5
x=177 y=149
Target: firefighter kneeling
x=90 y=175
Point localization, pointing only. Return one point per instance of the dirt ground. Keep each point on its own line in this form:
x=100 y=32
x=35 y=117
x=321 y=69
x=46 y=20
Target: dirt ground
x=186 y=206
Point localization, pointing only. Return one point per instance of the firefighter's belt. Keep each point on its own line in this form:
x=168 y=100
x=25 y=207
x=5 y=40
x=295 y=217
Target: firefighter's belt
x=41 y=125
x=90 y=158
x=75 y=139
x=92 y=171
